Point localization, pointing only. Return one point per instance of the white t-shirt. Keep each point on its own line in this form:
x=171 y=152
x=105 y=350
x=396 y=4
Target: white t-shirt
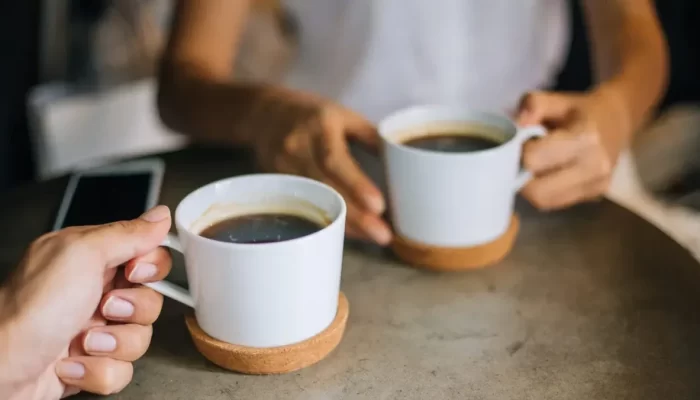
x=377 y=56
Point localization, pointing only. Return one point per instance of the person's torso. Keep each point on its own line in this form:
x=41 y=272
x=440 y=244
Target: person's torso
x=377 y=56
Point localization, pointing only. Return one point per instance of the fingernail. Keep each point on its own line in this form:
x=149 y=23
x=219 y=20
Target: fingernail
x=382 y=236
x=100 y=342
x=70 y=370
x=117 y=308
x=376 y=204
x=142 y=271
x=156 y=214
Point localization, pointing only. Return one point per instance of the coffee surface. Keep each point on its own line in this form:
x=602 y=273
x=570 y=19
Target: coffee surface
x=261 y=228
x=453 y=142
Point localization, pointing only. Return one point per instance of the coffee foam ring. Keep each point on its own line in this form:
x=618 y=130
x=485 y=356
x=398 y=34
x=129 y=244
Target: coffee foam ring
x=271 y=360
x=457 y=258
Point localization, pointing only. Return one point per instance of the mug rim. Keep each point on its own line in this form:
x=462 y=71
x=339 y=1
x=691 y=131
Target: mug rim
x=338 y=219
x=435 y=108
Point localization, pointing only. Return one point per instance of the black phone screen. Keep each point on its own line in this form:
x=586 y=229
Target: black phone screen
x=102 y=199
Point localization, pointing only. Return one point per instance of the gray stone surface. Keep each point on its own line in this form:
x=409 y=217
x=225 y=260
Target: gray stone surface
x=593 y=303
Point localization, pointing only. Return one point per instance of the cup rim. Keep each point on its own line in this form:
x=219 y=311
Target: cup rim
x=338 y=219
x=433 y=108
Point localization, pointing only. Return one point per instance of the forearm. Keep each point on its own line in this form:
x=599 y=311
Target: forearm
x=9 y=381
x=204 y=109
x=631 y=58
x=21 y=348
x=215 y=111
x=4 y=346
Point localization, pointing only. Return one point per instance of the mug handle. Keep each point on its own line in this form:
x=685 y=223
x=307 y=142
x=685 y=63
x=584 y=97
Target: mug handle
x=525 y=134
x=169 y=289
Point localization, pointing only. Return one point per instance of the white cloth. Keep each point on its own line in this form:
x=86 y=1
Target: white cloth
x=74 y=131
x=376 y=56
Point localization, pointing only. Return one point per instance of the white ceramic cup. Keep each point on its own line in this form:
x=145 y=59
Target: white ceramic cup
x=453 y=199
x=268 y=294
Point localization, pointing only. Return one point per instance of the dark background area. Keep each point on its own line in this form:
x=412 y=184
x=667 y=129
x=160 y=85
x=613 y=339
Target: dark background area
x=19 y=35
x=19 y=30
x=681 y=24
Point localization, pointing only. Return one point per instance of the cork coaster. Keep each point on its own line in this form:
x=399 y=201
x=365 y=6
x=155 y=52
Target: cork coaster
x=271 y=360
x=457 y=259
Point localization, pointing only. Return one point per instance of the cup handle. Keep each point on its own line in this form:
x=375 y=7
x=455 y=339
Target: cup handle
x=168 y=289
x=524 y=135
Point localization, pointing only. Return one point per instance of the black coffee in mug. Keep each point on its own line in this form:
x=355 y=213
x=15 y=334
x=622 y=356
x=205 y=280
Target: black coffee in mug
x=261 y=228
x=462 y=142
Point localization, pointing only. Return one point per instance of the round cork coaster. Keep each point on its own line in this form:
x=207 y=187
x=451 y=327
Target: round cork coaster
x=457 y=259
x=271 y=360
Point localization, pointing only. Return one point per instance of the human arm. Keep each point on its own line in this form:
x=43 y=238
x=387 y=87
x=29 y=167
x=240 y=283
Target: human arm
x=630 y=55
x=574 y=163
x=70 y=320
x=198 y=94
x=289 y=131
x=194 y=94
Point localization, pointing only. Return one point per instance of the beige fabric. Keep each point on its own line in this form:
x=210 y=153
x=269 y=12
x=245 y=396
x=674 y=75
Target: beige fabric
x=132 y=34
x=660 y=154
x=668 y=147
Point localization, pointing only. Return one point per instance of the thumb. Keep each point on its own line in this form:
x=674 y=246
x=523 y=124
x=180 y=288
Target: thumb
x=119 y=242
x=538 y=108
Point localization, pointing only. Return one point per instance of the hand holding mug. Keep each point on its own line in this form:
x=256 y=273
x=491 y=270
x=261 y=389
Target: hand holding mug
x=309 y=137
x=453 y=173
x=71 y=320
x=575 y=161
x=237 y=255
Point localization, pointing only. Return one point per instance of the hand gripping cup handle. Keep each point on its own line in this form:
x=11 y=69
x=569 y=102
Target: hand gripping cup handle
x=168 y=289
x=523 y=135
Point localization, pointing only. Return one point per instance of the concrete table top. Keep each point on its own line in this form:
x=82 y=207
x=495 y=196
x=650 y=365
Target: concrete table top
x=593 y=303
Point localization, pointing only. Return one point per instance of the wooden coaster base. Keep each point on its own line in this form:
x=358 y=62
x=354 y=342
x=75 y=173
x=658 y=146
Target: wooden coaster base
x=457 y=259
x=271 y=360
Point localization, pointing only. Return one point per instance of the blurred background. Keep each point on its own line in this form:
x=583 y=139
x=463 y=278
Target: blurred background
x=77 y=89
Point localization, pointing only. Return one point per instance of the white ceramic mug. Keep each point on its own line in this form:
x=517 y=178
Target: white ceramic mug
x=453 y=199
x=268 y=294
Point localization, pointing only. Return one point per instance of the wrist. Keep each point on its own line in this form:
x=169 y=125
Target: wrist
x=630 y=99
x=11 y=345
x=614 y=99
x=8 y=382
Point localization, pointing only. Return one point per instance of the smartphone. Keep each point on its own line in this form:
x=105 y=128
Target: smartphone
x=111 y=193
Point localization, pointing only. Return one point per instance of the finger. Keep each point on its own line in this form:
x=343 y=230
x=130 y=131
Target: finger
x=76 y=346
x=121 y=241
x=333 y=158
x=151 y=267
x=564 y=187
x=545 y=107
x=99 y=375
x=587 y=192
x=353 y=233
x=296 y=153
x=362 y=130
x=120 y=281
x=126 y=342
x=366 y=225
x=108 y=279
x=138 y=305
x=555 y=151
x=590 y=191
